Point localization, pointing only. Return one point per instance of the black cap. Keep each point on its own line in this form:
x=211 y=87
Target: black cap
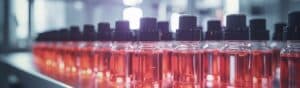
x=214 y=30
x=122 y=32
x=278 y=31
x=236 y=28
x=258 y=30
x=293 y=29
x=188 y=30
x=148 y=29
x=89 y=33
x=64 y=34
x=104 y=32
x=75 y=34
x=165 y=34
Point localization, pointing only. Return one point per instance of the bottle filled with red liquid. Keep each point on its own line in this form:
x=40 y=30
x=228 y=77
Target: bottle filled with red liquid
x=102 y=55
x=290 y=55
x=186 y=57
x=70 y=56
x=145 y=65
x=211 y=54
x=277 y=44
x=235 y=56
x=50 y=53
x=86 y=57
x=121 y=53
x=166 y=43
x=261 y=54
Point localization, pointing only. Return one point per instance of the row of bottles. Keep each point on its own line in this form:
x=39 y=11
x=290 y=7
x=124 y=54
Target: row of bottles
x=231 y=56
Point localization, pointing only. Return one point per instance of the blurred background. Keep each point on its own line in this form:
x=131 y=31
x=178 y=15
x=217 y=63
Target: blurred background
x=22 y=20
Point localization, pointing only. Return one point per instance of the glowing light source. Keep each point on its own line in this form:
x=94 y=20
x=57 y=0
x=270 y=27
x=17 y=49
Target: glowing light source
x=22 y=19
x=133 y=15
x=174 y=21
x=132 y=2
x=232 y=6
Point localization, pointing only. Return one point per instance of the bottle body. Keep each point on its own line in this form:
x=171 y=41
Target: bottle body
x=121 y=53
x=101 y=57
x=186 y=64
x=211 y=63
x=85 y=63
x=276 y=46
x=290 y=65
x=235 y=62
x=261 y=64
x=167 y=74
x=145 y=65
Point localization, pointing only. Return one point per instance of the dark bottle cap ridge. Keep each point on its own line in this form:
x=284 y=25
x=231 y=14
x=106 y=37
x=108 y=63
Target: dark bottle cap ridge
x=278 y=31
x=89 y=33
x=236 y=28
x=214 y=30
x=165 y=34
x=64 y=34
x=104 y=32
x=122 y=31
x=258 y=29
x=188 y=30
x=293 y=30
x=148 y=30
x=75 y=34
x=187 y=22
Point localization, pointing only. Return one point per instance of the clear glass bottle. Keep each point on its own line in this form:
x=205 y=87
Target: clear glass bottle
x=261 y=54
x=86 y=57
x=102 y=55
x=277 y=44
x=167 y=45
x=211 y=54
x=145 y=65
x=186 y=57
x=290 y=55
x=121 y=53
x=235 y=54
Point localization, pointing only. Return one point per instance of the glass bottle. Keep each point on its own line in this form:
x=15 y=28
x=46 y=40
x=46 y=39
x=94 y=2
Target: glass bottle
x=145 y=65
x=235 y=54
x=211 y=54
x=121 y=53
x=186 y=58
x=102 y=55
x=261 y=54
x=290 y=55
x=166 y=43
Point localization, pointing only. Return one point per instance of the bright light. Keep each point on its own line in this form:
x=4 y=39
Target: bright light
x=132 y=2
x=232 y=6
x=22 y=19
x=133 y=15
x=39 y=15
x=78 y=5
x=174 y=21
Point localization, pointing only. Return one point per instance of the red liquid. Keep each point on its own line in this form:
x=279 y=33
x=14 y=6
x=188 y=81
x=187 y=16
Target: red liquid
x=69 y=56
x=235 y=70
x=275 y=60
x=118 y=67
x=262 y=68
x=102 y=57
x=167 y=75
x=211 y=67
x=184 y=68
x=86 y=57
x=290 y=70
x=146 y=68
